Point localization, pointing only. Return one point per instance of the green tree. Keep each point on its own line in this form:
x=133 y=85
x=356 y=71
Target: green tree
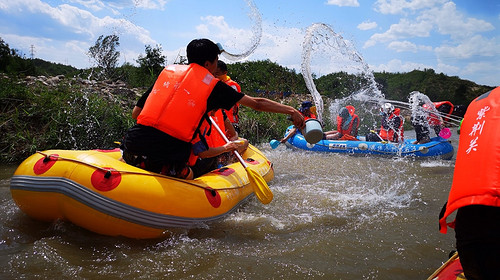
x=154 y=60
x=4 y=55
x=105 y=55
x=152 y=63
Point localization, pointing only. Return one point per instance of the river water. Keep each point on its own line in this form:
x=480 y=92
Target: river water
x=332 y=217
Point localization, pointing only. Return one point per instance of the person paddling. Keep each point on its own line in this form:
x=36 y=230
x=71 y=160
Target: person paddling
x=177 y=104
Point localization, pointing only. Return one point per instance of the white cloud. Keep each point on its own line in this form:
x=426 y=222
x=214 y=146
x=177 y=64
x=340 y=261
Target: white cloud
x=94 y=5
x=485 y=73
x=278 y=44
x=234 y=40
x=403 y=46
x=343 y=3
x=67 y=23
x=396 y=65
x=407 y=46
x=404 y=29
x=446 y=68
x=399 y=6
x=367 y=25
x=449 y=21
x=150 y=4
x=473 y=47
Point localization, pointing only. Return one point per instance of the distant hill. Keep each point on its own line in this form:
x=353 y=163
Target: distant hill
x=267 y=76
x=46 y=68
x=438 y=87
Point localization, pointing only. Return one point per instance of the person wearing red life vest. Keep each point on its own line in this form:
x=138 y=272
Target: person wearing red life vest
x=176 y=106
x=232 y=114
x=213 y=151
x=391 y=128
x=433 y=118
x=347 y=124
x=475 y=190
x=446 y=108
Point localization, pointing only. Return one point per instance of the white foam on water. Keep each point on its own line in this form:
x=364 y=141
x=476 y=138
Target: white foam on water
x=436 y=163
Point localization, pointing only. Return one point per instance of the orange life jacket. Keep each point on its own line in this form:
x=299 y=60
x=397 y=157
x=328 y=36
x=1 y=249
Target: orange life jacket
x=391 y=135
x=311 y=116
x=210 y=134
x=348 y=131
x=450 y=111
x=214 y=139
x=232 y=114
x=476 y=179
x=179 y=89
x=432 y=117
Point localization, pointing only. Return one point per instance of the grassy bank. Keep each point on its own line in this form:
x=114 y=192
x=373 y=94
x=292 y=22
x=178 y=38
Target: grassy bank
x=65 y=116
x=70 y=115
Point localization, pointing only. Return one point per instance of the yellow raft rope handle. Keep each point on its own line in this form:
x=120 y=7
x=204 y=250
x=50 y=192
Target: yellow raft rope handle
x=108 y=173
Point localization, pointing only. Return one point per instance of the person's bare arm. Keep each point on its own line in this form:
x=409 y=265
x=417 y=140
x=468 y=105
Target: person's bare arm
x=290 y=134
x=266 y=105
x=215 y=151
x=135 y=112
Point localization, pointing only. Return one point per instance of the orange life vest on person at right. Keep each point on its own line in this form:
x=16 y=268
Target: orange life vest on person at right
x=178 y=100
x=476 y=179
x=395 y=133
x=348 y=131
x=232 y=113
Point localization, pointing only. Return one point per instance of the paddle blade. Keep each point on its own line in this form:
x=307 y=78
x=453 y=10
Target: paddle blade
x=445 y=133
x=274 y=144
x=260 y=187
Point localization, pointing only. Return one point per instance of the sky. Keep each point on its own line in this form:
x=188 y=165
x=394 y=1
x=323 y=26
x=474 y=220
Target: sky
x=458 y=38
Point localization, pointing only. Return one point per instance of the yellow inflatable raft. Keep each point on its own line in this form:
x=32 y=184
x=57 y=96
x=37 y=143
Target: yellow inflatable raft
x=96 y=191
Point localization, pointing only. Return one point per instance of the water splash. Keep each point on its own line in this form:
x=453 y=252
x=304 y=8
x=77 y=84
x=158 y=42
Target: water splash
x=256 y=33
x=322 y=37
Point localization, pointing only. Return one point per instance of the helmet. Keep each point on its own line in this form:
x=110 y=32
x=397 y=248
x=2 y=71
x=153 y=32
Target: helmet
x=387 y=108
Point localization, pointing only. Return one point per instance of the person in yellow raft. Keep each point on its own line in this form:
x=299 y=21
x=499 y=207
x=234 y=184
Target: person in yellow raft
x=213 y=152
x=176 y=106
x=232 y=114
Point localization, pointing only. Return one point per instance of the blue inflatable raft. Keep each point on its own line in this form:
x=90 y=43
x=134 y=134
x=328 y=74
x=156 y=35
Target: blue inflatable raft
x=438 y=147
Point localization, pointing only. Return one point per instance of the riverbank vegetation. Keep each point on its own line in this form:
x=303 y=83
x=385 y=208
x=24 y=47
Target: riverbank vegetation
x=84 y=109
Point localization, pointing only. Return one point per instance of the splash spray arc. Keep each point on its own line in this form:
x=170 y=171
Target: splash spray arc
x=256 y=34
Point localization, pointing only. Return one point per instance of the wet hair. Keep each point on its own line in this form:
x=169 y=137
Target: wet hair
x=222 y=66
x=306 y=104
x=344 y=113
x=201 y=50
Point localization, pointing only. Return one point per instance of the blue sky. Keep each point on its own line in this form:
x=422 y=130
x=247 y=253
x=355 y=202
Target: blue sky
x=459 y=38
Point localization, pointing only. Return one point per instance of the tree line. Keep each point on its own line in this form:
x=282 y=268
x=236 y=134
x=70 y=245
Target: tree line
x=256 y=77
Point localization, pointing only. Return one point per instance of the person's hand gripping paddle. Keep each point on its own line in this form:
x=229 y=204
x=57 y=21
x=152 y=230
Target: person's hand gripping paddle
x=260 y=187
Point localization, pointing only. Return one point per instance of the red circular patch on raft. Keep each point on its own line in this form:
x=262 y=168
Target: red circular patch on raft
x=214 y=200
x=105 y=179
x=44 y=164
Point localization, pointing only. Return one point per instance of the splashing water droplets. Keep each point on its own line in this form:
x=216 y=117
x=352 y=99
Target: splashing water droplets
x=256 y=34
x=332 y=53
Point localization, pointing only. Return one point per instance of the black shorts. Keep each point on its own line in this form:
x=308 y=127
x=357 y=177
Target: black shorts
x=477 y=232
x=156 y=151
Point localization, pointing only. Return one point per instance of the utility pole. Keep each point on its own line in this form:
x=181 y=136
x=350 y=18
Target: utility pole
x=32 y=51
